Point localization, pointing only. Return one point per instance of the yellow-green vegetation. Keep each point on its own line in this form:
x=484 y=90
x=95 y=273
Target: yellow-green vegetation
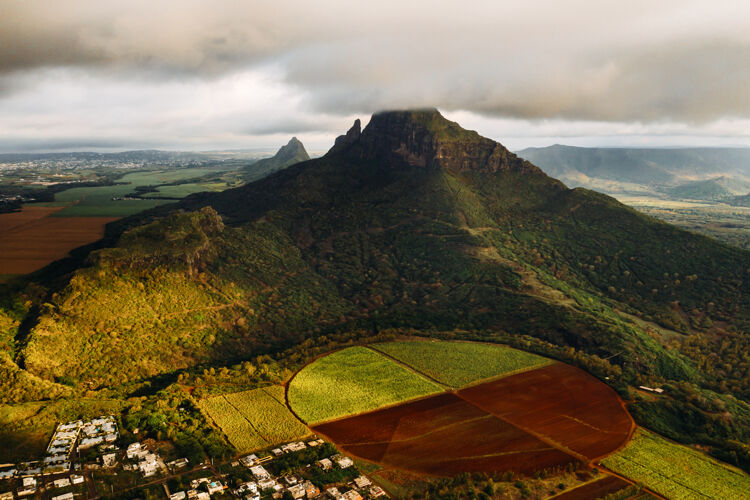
x=69 y=343
x=236 y=427
x=677 y=471
x=254 y=419
x=17 y=385
x=162 y=301
x=460 y=363
x=25 y=428
x=353 y=380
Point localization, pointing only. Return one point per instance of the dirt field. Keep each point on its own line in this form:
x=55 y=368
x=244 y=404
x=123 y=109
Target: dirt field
x=562 y=405
x=523 y=423
x=441 y=435
x=31 y=239
x=596 y=489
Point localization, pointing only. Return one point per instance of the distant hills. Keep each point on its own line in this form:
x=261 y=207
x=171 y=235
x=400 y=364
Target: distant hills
x=415 y=224
x=289 y=154
x=715 y=174
x=412 y=222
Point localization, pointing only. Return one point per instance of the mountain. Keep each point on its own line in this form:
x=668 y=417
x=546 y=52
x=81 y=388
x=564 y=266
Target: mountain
x=289 y=154
x=696 y=173
x=715 y=189
x=741 y=201
x=415 y=224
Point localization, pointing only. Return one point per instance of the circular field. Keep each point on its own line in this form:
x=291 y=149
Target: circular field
x=442 y=408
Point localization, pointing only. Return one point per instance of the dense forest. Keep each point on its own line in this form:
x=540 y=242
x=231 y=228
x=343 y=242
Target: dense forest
x=412 y=226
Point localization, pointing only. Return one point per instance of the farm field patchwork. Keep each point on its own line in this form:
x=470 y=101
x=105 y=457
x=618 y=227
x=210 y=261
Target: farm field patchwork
x=97 y=200
x=182 y=190
x=677 y=471
x=562 y=403
x=441 y=435
x=457 y=364
x=350 y=381
x=266 y=409
x=236 y=427
x=33 y=237
x=254 y=419
x=599 y=488
x=547 y=415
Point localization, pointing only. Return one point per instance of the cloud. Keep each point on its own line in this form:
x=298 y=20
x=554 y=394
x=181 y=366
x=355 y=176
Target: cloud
x=137 y=65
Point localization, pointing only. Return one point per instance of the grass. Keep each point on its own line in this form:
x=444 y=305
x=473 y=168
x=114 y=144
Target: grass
x=351 y=381
x=461 y=363
x=236 y=427
x=254 y=419
x=182 y=190
x=97 y=201
x=677 y=471
x=25 y=428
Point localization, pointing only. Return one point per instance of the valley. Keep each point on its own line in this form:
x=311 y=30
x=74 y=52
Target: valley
x=235 y=321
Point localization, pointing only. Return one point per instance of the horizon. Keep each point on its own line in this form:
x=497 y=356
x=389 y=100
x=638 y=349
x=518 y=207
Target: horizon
x=102 y=76
x=583 y=142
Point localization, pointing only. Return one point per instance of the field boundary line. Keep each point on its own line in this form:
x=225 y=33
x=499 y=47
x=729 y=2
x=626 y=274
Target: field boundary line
x=390 y=405
x=510 y=373
x=282 y=403
x=631 y=432
x=610 y=474
x=447 y=387
x=305 y=365
x=420 y=436
x=257 y=432
x=541 y=437
x=547 y=362
x=625 y=478
x=575 y=488
x=699 y=454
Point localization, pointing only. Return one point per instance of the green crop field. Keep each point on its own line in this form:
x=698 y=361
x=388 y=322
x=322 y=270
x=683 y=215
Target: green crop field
x=182 y=190
x=97 y=201
x=254 y=419
x=350 y=381
x=236 y=427
x=267 y=411
x=457 y=364
x=677 y=471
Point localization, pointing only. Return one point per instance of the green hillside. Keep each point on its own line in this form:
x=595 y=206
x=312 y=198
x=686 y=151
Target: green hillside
x=410 y=224
x=708 y=174
x=289 y=154
x=718 y=189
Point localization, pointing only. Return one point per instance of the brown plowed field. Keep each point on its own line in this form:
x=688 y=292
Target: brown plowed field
x=596 y=489
x=441 y=435
x=31 y=239
x=523 y=423
x=561 y=404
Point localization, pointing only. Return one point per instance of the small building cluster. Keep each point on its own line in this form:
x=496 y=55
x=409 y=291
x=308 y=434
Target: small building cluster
x=657 y=390
x=98 y=431
x=87 y=434
x=61 y=446
x=61 y=474
x=148 y=462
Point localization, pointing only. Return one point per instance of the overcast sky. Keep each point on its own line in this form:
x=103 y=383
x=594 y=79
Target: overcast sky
x=249 y=74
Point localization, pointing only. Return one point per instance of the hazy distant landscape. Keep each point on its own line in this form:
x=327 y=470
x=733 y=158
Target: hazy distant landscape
x=356 y=251
x=53 y=203
x=701 y=190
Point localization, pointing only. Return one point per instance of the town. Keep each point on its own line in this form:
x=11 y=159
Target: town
x=90 y=459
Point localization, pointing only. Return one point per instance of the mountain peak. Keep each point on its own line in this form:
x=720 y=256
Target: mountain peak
x=344 y=141
x=425 y=138
x=289 y=154
x=292 y=149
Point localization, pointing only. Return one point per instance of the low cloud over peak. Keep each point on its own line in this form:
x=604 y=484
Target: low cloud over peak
x=684 y=63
